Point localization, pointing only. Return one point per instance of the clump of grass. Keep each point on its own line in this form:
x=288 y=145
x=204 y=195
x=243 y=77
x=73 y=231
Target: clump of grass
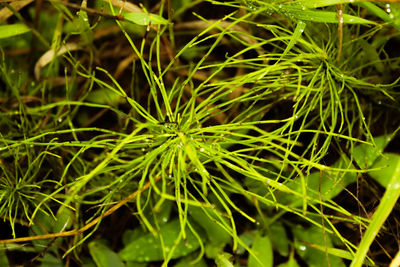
x=227 y=127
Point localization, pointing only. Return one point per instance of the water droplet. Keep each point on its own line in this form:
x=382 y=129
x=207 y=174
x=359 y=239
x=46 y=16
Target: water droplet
x=379 y=102
x=201 y=149
x=164 y=219
x=59 y=120
x=143 y=149
x=396 y=185
x=170 y=175
x=302 y=248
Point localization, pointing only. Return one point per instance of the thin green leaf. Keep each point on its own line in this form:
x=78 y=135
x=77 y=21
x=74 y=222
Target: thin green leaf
x=321 y=16
x=323 y=3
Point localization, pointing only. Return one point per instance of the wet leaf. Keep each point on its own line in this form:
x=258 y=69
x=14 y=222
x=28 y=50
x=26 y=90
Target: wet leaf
x=103 y=256
x=149 y=248
x=305 y=238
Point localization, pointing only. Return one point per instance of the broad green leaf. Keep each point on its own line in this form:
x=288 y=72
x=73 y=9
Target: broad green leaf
x=247 y=239
x=262 y=250
x=46 y=223
x=290 y=263
x=279 y=240
x=213 y=250
x=331 y=183
x=144 y=19
x=103 y=256
x=63 y=221
x=135 y=264
x=11 y=30
x=3 y=258
x=103 y=96
x=365 y=154
x=224 y=260
x=49 y=260
x=215 y=233
x=306 y=238
x=149 y=248
x=388 y=163
x=188 y=261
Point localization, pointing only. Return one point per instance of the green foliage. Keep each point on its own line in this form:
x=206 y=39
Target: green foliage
x=11 y=30
x=103 y=256
x=144 y=19
x=219 y=138
x=168 y=244
x=262 y=254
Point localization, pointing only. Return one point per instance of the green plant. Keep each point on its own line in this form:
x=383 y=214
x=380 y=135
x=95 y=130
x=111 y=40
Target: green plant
x=225 y=140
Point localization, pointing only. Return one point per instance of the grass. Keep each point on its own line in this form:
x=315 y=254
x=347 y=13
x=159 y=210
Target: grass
x=255 y=133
